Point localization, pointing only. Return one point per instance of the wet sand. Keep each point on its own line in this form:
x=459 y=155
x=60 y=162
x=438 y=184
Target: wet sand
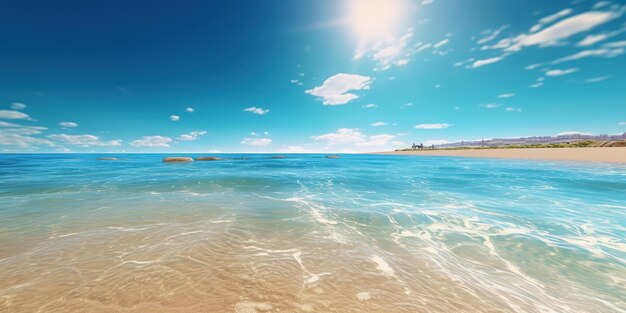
x=612 y=154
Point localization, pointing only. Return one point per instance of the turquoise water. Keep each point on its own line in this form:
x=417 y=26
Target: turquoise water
x=307 y=233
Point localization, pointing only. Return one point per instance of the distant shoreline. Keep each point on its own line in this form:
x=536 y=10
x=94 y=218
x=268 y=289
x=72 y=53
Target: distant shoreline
x=594 y=154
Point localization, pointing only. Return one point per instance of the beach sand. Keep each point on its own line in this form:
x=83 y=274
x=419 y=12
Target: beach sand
x=612 y=154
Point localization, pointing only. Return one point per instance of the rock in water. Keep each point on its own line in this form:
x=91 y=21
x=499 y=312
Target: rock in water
x=333 y=157
x=278 y=157
x=108 y=159
x=209 y=159
x=177 y=159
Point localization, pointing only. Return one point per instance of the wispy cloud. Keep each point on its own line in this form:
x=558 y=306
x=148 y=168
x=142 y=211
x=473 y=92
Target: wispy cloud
x=604 y=52
x=559 y=72
x=355 y=138
x=152 y=142
x=68 y=124
x=369 y=106
x=378 y=124
x=255 y=110
x=596 y=79
x=573 y=132
x=174 y=118
x=15 y=135
x=86 y=140
x=483 y=62
x=190 y=109
x=489 y=34
x=554 y=30
x=256 y=142
x=336 y=89
x=14 y=115
x=194 y=135
x=491 y=105
x=432 y=126
x=563 y=29
x=551 y=18
x=18 y=106
x=506 y=95
x=342 y=136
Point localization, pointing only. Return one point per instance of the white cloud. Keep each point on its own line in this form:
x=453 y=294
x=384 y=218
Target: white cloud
x=511 y=109
x=393 y=51
x=490 y=35
x=335 y=89
x=14 y=115
x=342 y=136
x=491 y=105
x=68 y=124
x=292 y=149
x=174 y=118
x=354 y=137
x=506 y=95
x=533 y=66
x=378 y=124
x=18 y=106
x=152 y=142
x=621 y=123
x=194 y=135
x=376 y=141
x=558 y=72
x=402 y=62
x=551 y=18
x=436 y=142
x=427 y=2
x=441 y=43
x=596 y=79
x=591 y=40
x=536 y=85
x=479 y=63
x=432 y=126
x=563 y=29
x=601 y=4
x=573 y=132
x=256 y=142
x=255 y=110
x=369 y=106
x=190 y=110
x=461 y=63
x=21 y=136
x=615 y=44
x=600 y=52
x=83 y=140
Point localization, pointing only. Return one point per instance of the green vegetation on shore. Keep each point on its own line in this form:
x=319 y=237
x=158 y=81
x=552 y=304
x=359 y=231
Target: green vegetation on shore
x=577 y=144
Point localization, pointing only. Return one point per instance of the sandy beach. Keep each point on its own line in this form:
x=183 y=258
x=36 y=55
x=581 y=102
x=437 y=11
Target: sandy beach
x=612 y=154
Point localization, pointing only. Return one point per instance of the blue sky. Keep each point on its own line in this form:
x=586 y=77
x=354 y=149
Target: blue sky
x=305 y=76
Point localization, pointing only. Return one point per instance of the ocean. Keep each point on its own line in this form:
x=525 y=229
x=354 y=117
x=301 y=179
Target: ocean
x=305 y=233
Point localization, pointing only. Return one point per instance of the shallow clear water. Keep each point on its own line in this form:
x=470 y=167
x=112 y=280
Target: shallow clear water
x=306 y=233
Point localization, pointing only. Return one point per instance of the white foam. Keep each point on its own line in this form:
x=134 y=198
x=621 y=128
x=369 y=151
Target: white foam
x=252 y=307
x=126 y=228
x=383 y=266
x=363 y=296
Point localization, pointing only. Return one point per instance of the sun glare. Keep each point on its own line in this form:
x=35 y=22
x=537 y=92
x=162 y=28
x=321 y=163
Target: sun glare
x=373 y=19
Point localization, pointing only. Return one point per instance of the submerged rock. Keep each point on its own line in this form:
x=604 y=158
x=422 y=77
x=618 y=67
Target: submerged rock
x=209 y=159
x=108 y=159
x=278 y=157
x=177 y=159
x=333 y=157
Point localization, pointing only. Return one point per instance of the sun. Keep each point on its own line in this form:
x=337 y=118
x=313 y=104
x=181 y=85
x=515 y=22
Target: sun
x=374 y=19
